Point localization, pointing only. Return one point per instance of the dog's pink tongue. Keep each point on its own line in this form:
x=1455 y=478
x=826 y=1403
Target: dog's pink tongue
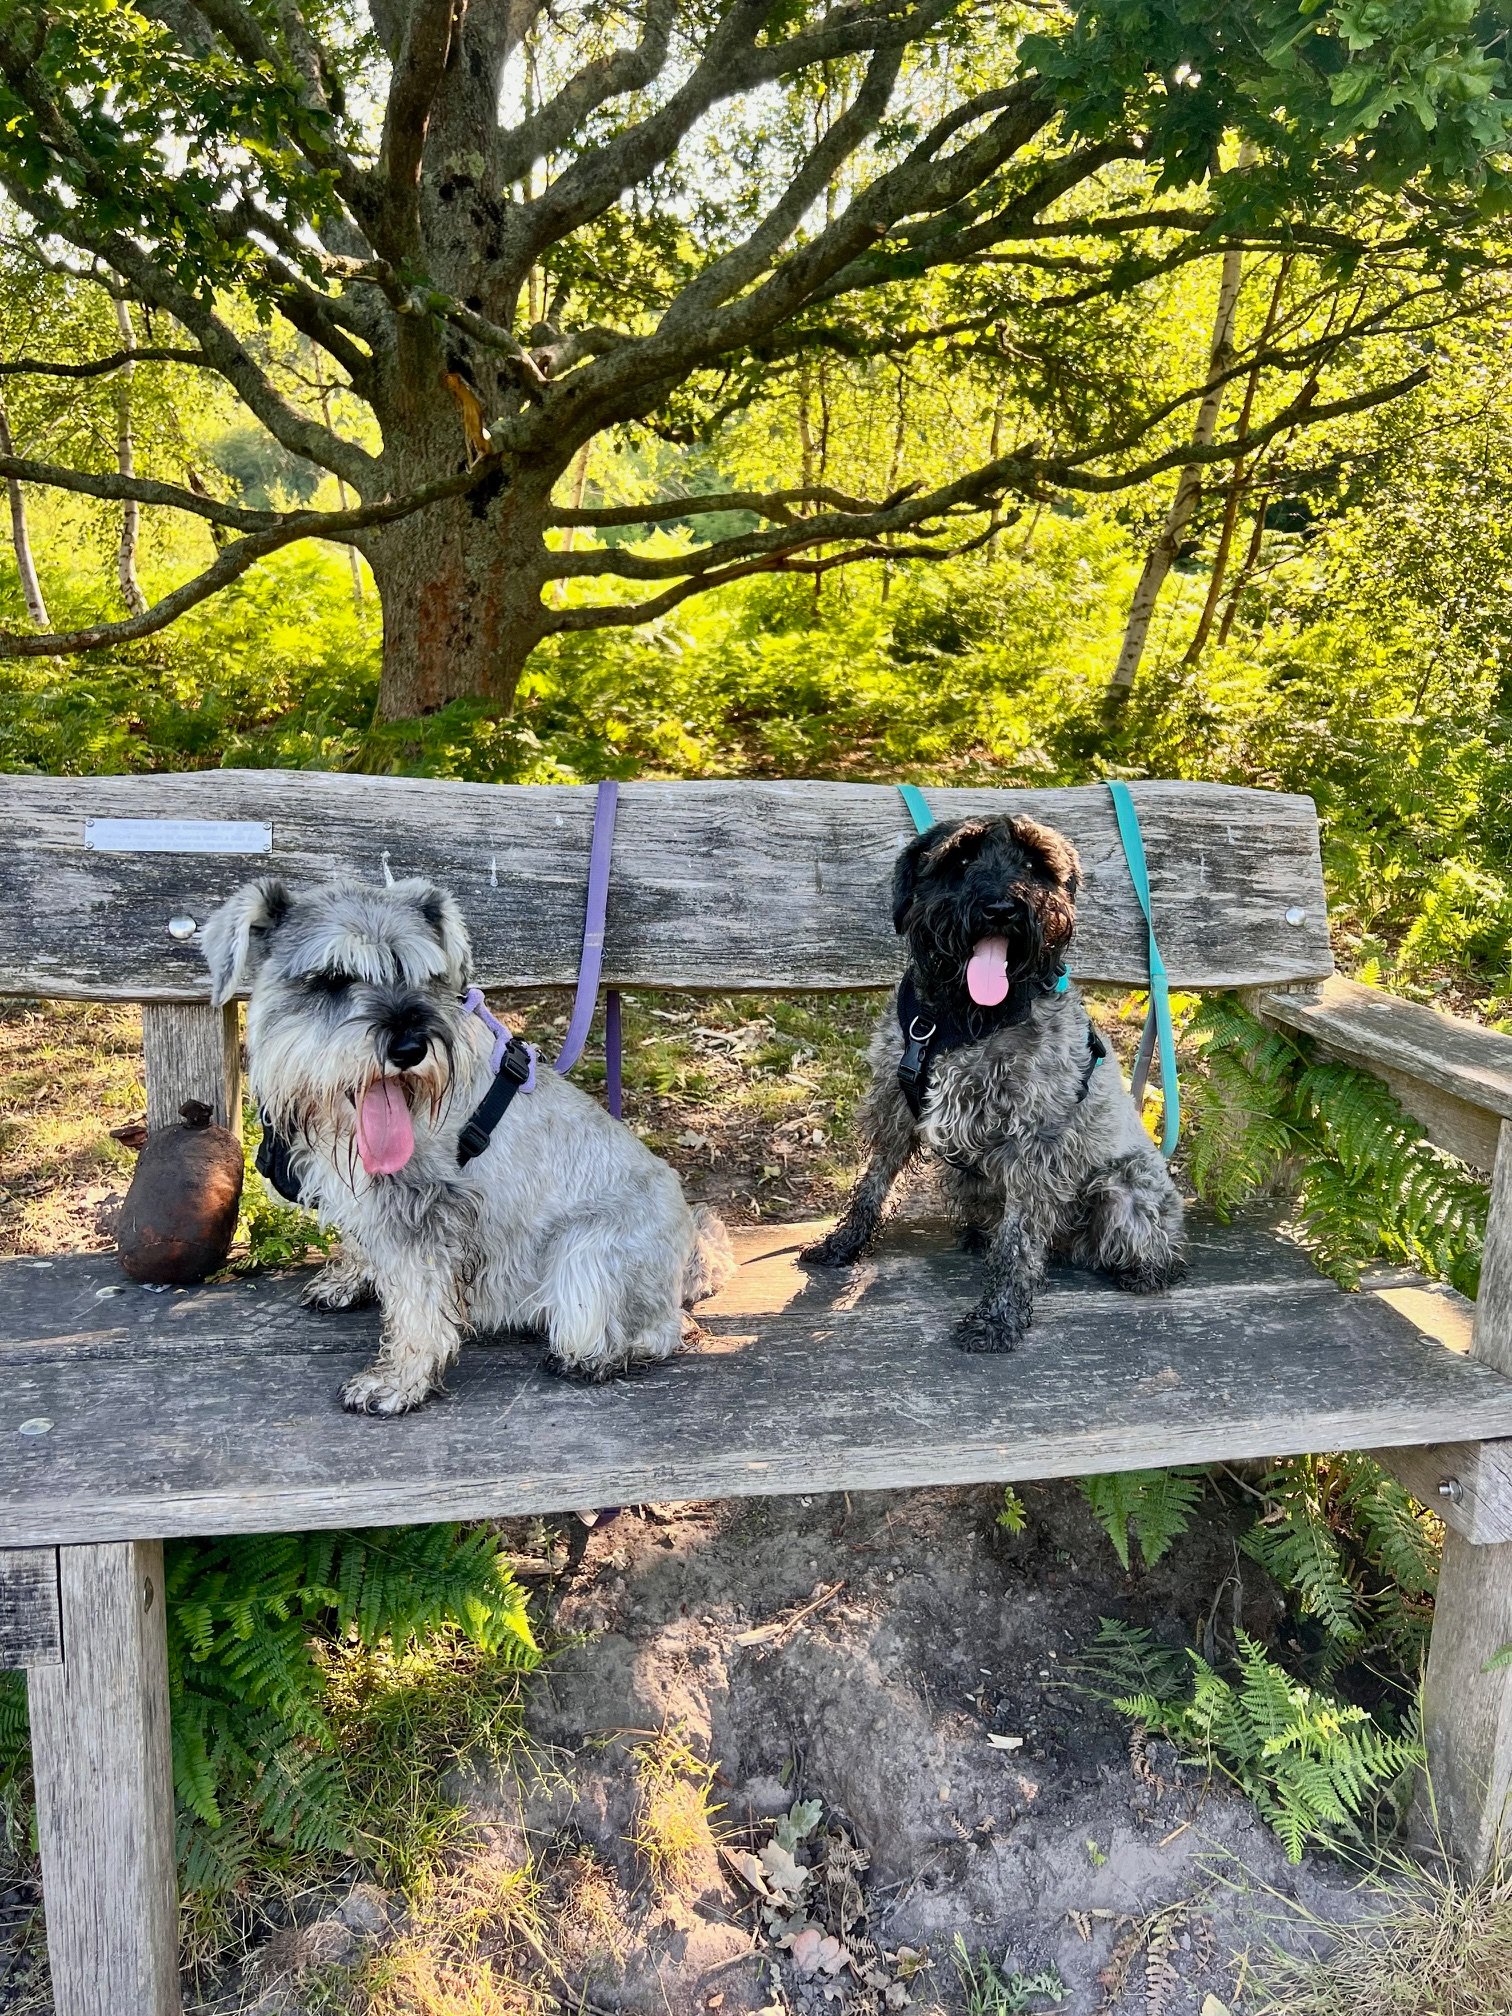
x=987 y=972
x=385 y=1133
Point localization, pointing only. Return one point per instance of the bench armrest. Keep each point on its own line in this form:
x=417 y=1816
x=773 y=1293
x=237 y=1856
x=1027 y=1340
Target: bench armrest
x=1452 y=1075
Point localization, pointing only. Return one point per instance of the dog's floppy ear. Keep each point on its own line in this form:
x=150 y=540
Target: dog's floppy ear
x=445 y=919
x=906 y=875
x=236 y=937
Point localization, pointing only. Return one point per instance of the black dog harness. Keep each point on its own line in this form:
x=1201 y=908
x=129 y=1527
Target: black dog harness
x=514 y=1073
x=928 y=1031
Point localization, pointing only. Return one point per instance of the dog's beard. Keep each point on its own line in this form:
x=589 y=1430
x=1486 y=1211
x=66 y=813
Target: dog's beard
x=330 y=1093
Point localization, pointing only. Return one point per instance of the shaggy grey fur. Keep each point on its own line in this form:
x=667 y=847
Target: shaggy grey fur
x=1029 y=1164
x=565 y=1223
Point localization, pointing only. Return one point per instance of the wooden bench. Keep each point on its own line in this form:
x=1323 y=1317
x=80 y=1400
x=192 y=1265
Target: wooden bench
x=127 y=1416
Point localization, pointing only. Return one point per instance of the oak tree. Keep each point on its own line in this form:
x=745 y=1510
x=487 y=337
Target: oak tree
x=509 y=227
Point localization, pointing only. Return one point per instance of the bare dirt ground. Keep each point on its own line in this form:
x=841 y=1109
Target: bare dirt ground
x=904 y=1662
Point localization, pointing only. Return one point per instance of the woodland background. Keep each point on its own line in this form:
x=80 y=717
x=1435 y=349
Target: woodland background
x=1308 y=589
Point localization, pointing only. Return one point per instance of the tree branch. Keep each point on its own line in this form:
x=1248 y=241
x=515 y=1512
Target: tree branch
x=99 y=367
x=1027 y=474
x=135 y=490
x=1304 y=410
x=732 y=61
x=683 y=340
x=740 y=266
x=552 y=125
x=418 y=70
x=234 y=560
x=222 y=349
x=607 y=615
x=240 y=30
x=768 y=503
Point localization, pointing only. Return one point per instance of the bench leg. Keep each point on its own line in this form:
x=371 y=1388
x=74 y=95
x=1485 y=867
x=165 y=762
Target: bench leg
x=1467 y=1710
x=100 y=1754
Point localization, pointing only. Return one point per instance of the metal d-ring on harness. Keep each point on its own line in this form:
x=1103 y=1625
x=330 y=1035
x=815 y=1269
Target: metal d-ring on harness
x=513 y=1062
x=924 y=1034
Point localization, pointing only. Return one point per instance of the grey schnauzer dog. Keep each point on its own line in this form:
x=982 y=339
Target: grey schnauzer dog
x=989 y=1061
x=367 y=1063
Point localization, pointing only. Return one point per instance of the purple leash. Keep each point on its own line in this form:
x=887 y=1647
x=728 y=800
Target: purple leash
x=591 y=965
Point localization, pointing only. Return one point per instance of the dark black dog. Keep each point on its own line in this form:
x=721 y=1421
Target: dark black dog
x=989 y=1059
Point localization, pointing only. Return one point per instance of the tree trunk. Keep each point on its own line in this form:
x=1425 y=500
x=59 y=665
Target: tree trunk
x=460 y=590
x=1162 y=554
x=1240 y=479
x=126 y=554
x=31 y=587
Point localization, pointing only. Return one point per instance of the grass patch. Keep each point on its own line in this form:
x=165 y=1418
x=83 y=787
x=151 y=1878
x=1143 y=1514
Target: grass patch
x=474 y=1943
x=1432 y=1945
x=674 y=1828
x=69 y=1072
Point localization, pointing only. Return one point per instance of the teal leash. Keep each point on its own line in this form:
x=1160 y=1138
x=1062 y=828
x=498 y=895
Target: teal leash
x=918 y=809
x=1160 y=995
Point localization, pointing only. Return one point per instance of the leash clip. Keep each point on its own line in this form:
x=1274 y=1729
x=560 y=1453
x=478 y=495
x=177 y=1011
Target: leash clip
x=913 y=1065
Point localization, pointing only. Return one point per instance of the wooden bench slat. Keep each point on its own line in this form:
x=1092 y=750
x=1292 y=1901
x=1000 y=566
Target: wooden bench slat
x=804 y=1383
x=716 y=886
x=1402 y=1040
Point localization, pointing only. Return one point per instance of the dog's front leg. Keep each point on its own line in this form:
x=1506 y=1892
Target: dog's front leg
x=1015 y=1269
x=421 y=1337
x=868 y=1202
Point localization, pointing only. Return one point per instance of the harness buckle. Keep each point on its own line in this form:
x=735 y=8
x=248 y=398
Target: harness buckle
x=515 y=1063
x=471 y=1142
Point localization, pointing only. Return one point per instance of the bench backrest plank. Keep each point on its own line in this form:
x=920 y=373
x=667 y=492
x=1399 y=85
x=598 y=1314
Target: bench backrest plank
x=716 y=886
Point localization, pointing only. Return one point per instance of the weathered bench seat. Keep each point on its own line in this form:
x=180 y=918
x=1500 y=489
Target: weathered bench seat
x=127 y=1416
x=214 y=1410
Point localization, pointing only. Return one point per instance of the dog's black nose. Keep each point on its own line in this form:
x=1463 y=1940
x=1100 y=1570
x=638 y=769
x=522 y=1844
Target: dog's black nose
x=406 y=1049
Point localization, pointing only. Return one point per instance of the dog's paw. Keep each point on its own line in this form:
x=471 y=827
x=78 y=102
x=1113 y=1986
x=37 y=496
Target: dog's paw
x=838 y=1249
x=987 y=1330
x=378 y=1392
x=1150 y=1280
x=336 y=1289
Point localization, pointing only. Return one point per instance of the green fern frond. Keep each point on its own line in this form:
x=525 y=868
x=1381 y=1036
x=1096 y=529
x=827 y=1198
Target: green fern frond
x=1154 y=1506
x=1312 y=1765
x=1367 y=1182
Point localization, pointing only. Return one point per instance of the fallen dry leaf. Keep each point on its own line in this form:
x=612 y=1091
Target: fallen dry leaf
x=815 y=1952
x=783 y=1873
x=1006 y=1742
x=748 y=1869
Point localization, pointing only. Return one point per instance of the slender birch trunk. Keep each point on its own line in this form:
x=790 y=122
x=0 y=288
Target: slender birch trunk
x=126 y=553
x=1240 y=480
x=31 y=587
x=1162 y=554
